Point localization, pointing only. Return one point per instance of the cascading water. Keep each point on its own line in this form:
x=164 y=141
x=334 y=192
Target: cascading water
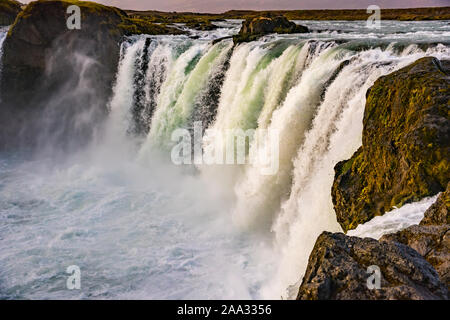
x=3 y=33
x=142 y=228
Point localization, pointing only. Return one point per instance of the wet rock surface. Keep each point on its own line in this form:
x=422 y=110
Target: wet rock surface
x=431 y=238
x=338 y=264
x=406 y=144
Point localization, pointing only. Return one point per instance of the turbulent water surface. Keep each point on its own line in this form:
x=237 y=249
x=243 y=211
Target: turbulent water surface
x=140 y=227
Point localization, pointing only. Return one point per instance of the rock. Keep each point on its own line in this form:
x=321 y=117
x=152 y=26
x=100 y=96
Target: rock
x=46 y=66
x=431 y=238
x=406 y=144
x=9 y=9
x=201 y=25
x=253 y=28
x=438 y=212
x=432 y=242
x=337 y=269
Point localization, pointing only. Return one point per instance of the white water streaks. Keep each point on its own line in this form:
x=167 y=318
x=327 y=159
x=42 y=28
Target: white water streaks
x=394 y=220
x=3 y=33
x=313 y=94
x=187 y=78
x=334 y=136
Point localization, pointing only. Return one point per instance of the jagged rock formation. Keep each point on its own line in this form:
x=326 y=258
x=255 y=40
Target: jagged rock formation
x=253 y=28
x=406 y=144
x=43 y=59
x=337 y=269
x=9 y=9
x=432 y=237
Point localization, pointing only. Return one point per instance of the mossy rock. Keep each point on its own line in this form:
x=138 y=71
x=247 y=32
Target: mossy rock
x=406 y=144
x=253 y=28
x=40 y=54
x=9 y=9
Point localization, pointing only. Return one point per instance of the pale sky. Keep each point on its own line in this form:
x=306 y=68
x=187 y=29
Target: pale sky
x=224 y=5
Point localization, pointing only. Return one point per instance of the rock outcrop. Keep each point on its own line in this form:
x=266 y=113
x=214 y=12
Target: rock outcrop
x=253 y=28
x=338 y=263
x=431 y=238
x=338 y=269
x=204 y=25
x=46 y=66
x=438 y=212
x=9 y=9
x=406 y=144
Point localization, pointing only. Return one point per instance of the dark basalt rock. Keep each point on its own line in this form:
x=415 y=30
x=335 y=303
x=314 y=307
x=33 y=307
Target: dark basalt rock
x=406 y=144
x=253 y=28
x=337 y=269
x=55 y=82
x=432 y=237
x=9 y=9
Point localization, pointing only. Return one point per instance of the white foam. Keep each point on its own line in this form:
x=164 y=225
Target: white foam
x=394 y=220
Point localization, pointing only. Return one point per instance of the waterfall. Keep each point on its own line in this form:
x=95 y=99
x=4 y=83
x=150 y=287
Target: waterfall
x=138 y=225
x=312 y=92
x=185 y=83
x=3 y=33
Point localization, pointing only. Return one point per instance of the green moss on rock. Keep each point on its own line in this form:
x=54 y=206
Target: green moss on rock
x=406 y=144
x=9 y=9
x=253 y=28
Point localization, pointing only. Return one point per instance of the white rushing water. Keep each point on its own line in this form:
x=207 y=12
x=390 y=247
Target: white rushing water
x=140 y=227
x=3 y=32
x=395 y=220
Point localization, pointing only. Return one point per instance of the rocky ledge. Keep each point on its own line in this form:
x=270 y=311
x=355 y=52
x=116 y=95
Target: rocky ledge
x=253 y=28
x=414 y=263
x=42 y=57
x=431 y=238
x=406 y=144
x=41 y=28
x=338 y=269
x=9 y=9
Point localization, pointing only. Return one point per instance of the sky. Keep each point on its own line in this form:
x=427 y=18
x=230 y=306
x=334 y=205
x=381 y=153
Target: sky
x=215 y=6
